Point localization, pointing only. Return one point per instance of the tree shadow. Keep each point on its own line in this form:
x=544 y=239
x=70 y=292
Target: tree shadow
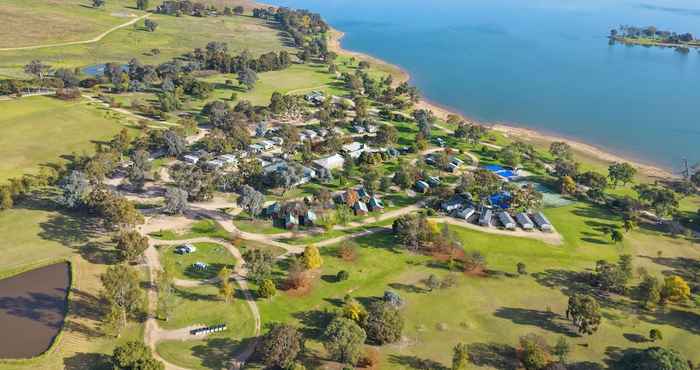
x=496 y=355
x=192 y=296
x=409 y=288
x=584 y=365
x=93 y=361
x=541 y=319
x=635 y=338
x=216 y=352
x=413 y=362
x=678 y=318
x=314 y=322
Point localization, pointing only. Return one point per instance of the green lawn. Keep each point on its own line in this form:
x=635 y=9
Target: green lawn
x=201 y=306
x=214 y=255
x=298 y=78
x=200 y=229
x=259 y=226
x=39 y=130
x=490 y=313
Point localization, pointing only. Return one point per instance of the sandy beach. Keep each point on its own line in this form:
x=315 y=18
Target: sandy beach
x=401 y=75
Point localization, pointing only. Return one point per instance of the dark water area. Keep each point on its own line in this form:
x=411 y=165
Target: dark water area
x=542 y=64
x=33 y=306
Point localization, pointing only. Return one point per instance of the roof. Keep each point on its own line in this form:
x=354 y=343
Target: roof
x=375 y=202
x=353 y=147
x=422 y=184
x=333 y=162
x=360 y=206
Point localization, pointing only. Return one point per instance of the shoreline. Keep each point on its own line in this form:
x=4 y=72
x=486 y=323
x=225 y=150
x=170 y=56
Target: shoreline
x=402 y=75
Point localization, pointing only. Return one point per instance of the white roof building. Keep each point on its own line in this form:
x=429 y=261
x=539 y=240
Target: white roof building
x=331 y=163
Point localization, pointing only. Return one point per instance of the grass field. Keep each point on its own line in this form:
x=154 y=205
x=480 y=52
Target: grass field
x=514 y=306
x=201 y=306
x=36 y=22
x=200 y=229
x=39 y=130
x=174 y=36
x=214 y=255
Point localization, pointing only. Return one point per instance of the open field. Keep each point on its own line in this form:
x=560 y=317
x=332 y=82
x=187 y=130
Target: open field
x=202 y=306
x=35 y=22
x=174 y=36
x=514 y=306
x=39 y=130
x=200 y=229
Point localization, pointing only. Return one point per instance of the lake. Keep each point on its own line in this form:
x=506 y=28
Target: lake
x=545 y=65
x=33 y=306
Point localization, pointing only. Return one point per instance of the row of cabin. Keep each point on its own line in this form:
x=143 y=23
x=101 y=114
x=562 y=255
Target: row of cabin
x=422 y=186
x=452 y=166
x=365 y=203
x=460 y=206
x=289 y=220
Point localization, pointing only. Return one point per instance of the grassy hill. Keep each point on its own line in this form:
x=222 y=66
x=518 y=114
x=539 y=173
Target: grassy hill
x=39 y=130
x=174 y=36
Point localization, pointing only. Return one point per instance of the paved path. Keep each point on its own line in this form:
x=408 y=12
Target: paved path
x=90 y=41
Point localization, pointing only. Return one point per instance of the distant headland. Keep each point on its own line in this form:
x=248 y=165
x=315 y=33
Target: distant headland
x=652 y=36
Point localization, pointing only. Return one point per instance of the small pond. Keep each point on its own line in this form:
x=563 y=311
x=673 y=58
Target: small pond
x=33 y=306
x=97 y=70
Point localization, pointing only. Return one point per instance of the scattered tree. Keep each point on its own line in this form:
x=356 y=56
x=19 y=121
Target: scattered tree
x=343 y=339
x=281 y=346
x=584 y=311
x=131 y=245
x=135 y=356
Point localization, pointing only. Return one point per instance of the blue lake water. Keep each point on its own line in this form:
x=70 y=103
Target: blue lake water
x=542 y=64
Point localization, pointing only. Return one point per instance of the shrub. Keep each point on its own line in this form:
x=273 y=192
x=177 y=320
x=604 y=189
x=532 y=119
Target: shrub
x=342 y=275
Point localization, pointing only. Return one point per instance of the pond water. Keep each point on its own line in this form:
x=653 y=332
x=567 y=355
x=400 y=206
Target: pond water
x=33 y=306
x=96 y=70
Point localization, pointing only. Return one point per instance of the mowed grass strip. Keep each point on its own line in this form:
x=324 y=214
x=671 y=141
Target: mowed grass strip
x=39 y=130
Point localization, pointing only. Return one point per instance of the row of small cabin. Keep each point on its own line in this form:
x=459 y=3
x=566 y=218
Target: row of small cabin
x=523 y=219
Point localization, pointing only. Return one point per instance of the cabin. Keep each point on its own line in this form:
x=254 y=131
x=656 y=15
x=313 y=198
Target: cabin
x=485 y=218
x=358 y=129
x=360 y=209
x=452 y=204
x=375 y=204
x=451 y=167
x=190 y=158
x=354 y=149
x=440 y=142
x=525 y=221
x=506 y=220
x=273 y=210
x=422 y=186
x=200 y=266
x=333 y=162
x=229 y=159
x=308 y=218
x=185 y=249
x=363 y=194
x=542 y=222
x=434 y=181
x=290 y=221
x=465 y=214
